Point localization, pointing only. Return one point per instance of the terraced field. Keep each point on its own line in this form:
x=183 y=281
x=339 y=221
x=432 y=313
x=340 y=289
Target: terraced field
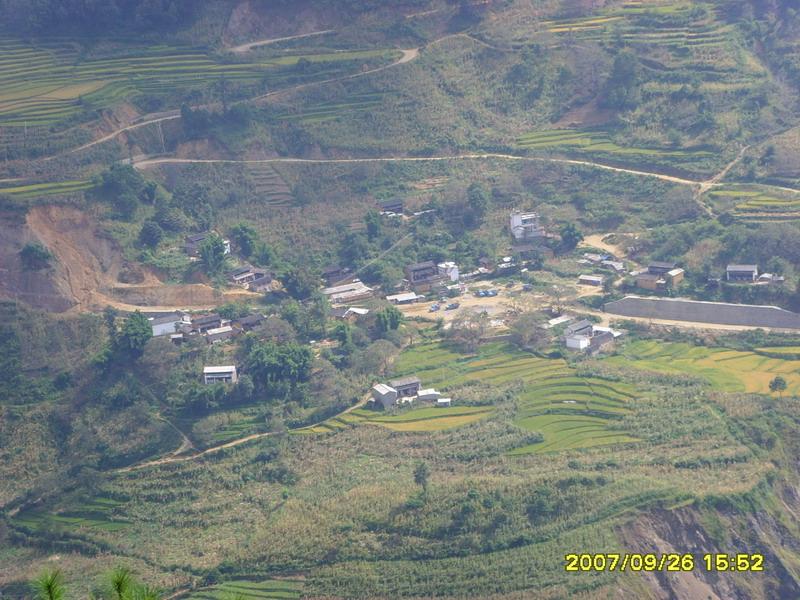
x=271 y=589
x=49 y=81
x=757 y=203
x=727 y=370
x=269 y=185
x=93 y=513
x=328 y=111
x=592 y=142
x=35 y=190
x=570 y=411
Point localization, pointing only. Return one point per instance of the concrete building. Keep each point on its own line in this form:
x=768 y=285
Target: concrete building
x=424 y=276
x=660 y=267
x=348 y=292
x=450 y=270
x=223 y=374
x=168 y=324
x=405 y=298
x=384 y=394
x=526 y=226
x=220 y=334
x=193 y=242
x=577 y=341
x=444 y=402
x=203 y=323
x=428 y=394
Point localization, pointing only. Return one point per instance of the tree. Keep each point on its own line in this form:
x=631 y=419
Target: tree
x=246 y=239
x=136 y=332
x=373 y=221
x=300 y=282
x=421 y=474
x=570 y=236
x=388 y=319
x=527 y=332
x=622 y=87
x=272 y=364
x=478 y=200
x=35 y=256
x=151 y=234
x=468 y=328
x=49 y=586
x=778 y=384
x=212 y=254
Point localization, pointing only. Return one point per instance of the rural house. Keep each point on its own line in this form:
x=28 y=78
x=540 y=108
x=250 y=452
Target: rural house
x=244 y=275
x=406 y=386
x=583 y=327
x=348 y=292
x=193 y=242
x=424 y=275
x=262 y=282
x=392 y=206
x=596 y=280
x=220 y=334
x=747 y=273
x=405 y=298
x=449 y=270
x=223 y=374
x=248 y=323
x=168 y=324
x=346 y=313
x=384 y=394
x=203 y=323
x=656 y=279
x=335 y=274
x=660 y=267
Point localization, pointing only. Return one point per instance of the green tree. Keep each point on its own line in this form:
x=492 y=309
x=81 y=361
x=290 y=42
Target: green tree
x=212 y=254
x=478 y=201
x=570 y=236
x=135 y=333
x=49 y=586
x=622 y=87
x=246 y=239
x=35 y=256
x=121 y=582
x=373 y=221
x=151 y=234
x=421 y=474
x=388 y=319
x=300 y=282
x=271 y=364
x=778 y=384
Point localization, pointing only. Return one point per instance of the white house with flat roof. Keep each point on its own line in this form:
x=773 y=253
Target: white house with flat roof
x=221 y=374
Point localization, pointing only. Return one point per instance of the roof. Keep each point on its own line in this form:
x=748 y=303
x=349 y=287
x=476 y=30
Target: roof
x=356 y=310
x=339 y=313
x=223 y=369
x=601 y=338
x=250 y=320
x=579 y=326
x=675 y=272
x=649 y=276
x=383 y=389
x=219 y=330
x=660 y=264
x=402 y=297
x=203 y=319
x=197 y=237
x=403 y=381
x=720 y=313
x=591 y=277
x=240 y=271
x=173 y=318
x=428 y=264
x=345 y=287
x=742 y=268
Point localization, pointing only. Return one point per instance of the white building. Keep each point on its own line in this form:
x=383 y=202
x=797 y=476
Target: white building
x=404 y=298
x=168 y=324
x=223 y=374
x=449 y=269
x=578 y=342
x=526 y=226
x=348 y=292
x=429 y=394
x=591 y=280
x=385 y=394
x=444 y=402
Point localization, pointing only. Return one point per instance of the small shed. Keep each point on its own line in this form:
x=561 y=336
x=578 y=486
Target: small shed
x=443 y=402
x=221 y=374
x=741 y=272
x=429 y=394
x=596 y=280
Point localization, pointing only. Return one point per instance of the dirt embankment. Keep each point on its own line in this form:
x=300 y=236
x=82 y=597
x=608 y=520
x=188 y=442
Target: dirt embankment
x=682 y=531
x=89 y=271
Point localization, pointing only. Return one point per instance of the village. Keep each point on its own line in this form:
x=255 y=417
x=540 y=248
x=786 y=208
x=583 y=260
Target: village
x=498 y=289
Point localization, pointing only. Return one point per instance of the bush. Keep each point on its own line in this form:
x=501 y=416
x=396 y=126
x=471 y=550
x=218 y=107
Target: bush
x=35 y=256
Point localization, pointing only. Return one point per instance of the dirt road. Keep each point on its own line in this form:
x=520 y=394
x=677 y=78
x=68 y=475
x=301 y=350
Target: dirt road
x=242 y=48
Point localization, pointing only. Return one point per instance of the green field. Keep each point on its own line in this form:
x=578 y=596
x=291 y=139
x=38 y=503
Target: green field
x=93 y=513
x=568 y=410
x=757 y=202
x=727 y=370
x=44 y=82
x=271 y=589
x=35 y=190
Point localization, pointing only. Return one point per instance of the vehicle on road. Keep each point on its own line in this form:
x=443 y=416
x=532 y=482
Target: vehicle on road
x=434 y=308
x=452 y=306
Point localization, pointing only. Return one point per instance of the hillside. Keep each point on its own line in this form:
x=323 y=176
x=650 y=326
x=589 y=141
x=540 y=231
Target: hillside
x=184 y=185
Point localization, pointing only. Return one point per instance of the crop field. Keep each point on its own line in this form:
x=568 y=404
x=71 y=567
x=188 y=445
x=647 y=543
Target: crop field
x=568 y=410
x=326 y=111
x=598 y=143
x=418 y=419
x=56 y=188
x=46 y=82
x=94 y=513
x=757 y=203
x=726 y=370
x=272 y=589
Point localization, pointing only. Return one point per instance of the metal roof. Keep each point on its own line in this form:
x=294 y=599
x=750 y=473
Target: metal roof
x=404 y=381
x=224 y=369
